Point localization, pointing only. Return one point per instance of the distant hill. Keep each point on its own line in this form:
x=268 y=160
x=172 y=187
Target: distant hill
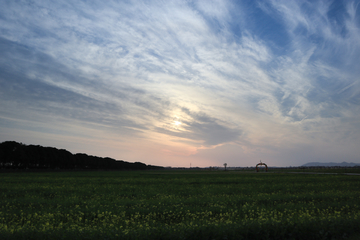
x=330 y=164
x=14 y=155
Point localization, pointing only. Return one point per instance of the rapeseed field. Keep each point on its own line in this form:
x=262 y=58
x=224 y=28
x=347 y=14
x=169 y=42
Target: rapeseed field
x=178 y=205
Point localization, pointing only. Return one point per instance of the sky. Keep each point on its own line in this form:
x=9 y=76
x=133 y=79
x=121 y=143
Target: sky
x=180 y=83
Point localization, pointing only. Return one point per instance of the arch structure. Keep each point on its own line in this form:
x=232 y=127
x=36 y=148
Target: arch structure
x=261 y=164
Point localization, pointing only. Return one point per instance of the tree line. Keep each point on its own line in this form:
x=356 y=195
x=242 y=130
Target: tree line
x=14 y=155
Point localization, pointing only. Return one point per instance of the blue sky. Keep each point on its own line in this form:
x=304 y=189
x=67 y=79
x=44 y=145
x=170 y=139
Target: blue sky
x=177 y=82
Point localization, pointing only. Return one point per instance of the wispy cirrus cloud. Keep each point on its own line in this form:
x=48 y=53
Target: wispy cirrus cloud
x=263 y=76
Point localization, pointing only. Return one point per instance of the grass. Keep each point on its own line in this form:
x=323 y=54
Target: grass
x=178 y=205
x=342 y=170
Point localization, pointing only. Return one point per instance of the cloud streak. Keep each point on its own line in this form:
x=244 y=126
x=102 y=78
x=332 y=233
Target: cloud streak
x=268 y=77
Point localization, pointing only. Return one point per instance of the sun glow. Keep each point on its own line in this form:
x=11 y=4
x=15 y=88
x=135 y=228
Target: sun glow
x=177 y=123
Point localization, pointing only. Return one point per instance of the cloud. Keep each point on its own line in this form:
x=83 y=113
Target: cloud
x=199 y=127
x=262 y=76
x=41 y=84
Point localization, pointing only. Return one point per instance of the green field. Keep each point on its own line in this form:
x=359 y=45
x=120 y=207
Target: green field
x=178 y=205
x=319 y=170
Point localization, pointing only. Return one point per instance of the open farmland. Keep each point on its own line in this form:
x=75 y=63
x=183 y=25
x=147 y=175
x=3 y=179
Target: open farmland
x=178 y=205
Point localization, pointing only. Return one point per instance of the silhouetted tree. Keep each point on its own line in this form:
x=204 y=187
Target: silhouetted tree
x=17 y=155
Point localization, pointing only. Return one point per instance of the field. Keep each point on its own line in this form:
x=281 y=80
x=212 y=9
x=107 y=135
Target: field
x=178 y=205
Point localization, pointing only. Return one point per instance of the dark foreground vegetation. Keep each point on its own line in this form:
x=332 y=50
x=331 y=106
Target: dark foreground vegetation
x=14 y=155
x=178 y=205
